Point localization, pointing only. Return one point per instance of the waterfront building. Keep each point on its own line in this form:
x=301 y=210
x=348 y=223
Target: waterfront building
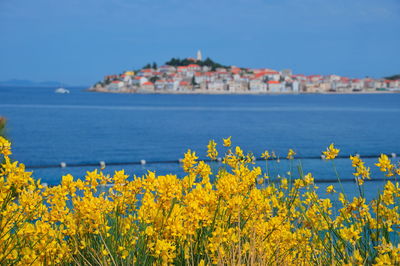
x=217 y=85
x=148 y=86
x=275 y=86
x=357 y=84
x=184 y=86
x=295 y=86
x=138 y=80
x=256 y=85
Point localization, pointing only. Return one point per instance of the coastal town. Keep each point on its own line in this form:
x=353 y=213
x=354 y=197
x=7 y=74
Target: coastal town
x=195 y=75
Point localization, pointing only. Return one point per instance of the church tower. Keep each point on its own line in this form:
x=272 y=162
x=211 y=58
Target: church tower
x=199 y=56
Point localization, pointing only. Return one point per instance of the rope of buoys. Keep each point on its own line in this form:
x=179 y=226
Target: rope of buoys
x=143 y=162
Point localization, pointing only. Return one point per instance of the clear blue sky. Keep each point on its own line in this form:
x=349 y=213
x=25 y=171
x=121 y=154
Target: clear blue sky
x=80 y=41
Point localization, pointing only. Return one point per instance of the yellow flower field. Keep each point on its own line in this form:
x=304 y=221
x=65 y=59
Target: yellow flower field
x=240 y=218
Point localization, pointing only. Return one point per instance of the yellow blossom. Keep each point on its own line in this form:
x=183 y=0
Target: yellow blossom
x=330 y=189
x=308 y=179
x=227 y=142
x=351 y=234
x=355 y=160
x=189 y=160
x=331 y=152
x=385 y=165
x=265 y=155
x=290 y=154
x=212 y=152
x=5 y=146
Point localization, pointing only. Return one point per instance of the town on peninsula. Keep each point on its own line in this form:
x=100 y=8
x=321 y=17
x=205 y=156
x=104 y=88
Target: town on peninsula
x=198 y=76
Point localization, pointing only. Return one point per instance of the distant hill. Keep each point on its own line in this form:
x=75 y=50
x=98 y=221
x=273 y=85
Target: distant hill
x=29 y=83
x=394 y=77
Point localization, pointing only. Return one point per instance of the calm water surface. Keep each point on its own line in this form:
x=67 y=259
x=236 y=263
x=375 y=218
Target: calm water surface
x=48 y=128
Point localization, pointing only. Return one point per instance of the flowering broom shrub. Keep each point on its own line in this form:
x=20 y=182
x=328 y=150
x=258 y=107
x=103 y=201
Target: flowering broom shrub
x=239 y=218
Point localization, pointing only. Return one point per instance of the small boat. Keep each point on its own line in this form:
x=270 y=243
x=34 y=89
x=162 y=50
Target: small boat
x=62 y=90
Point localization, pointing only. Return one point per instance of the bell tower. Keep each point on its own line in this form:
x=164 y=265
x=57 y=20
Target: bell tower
x=199 y=56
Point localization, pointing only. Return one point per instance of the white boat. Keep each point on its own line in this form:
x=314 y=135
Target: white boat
x=62 y=90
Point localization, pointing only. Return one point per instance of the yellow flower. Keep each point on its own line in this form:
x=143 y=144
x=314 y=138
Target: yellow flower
x=383 y=259
x=331 y=152
x=385 y=165
x=355 y=160
x=227 y=142
x=5 y=146
x=265 y=155
x=284 y=183
x=350 y=234
x=330 y=189
x=362 y=171
x=357 y=257
x=67 y=180
x=189 y=160
x=212 y=152
x=291 y=154
x=308 y=179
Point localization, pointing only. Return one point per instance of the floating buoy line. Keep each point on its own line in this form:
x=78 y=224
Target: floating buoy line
x=102 y=164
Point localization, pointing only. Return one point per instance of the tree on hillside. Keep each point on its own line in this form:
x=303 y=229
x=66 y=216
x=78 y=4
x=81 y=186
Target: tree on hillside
x=194 y=81
x=147 y=66
x=154 y=66
x=185 y=62
x=153 y=79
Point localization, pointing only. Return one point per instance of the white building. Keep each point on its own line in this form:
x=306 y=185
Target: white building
x=257 y=85
x=199 y=55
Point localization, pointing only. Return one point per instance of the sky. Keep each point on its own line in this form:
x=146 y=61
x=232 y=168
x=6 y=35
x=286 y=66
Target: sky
x=78 y=42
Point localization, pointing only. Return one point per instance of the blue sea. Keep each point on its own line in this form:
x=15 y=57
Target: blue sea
x=85 y=127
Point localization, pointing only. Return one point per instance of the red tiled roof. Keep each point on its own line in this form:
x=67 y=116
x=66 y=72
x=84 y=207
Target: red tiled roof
x=314 y=76
x=272 y=72
x=148 y=83
x=259 y=75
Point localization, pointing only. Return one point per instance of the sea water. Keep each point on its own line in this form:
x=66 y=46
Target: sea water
x=86 y=127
